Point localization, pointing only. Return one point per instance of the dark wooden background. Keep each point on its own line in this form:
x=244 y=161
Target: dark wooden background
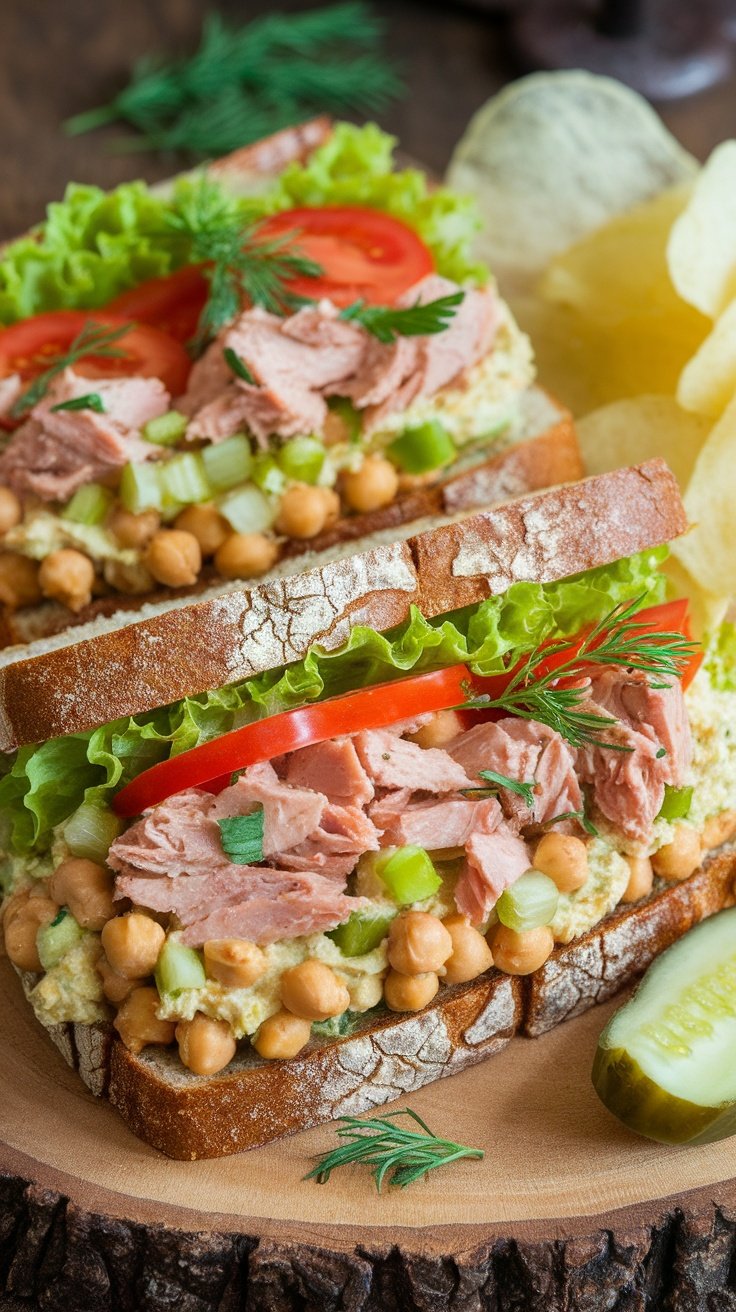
x=58 y=57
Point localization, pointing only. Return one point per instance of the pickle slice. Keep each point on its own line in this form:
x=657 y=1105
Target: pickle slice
x=666 y=1062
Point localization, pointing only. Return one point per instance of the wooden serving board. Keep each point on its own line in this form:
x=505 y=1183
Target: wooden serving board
x=568 y=1211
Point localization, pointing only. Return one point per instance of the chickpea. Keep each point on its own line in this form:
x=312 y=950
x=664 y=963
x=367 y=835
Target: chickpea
x=116 y=988
x=245 y=555
x=372 y=486
x=564 y=859
x=86 y=889
x=235 y=962
x=21 y=926
x=333 y=508
x=680 y=858
x=470 y=955
x=418 y=943
x=641 y=878
x=11 y=511
x=174 y=557
x=134 y=530
x=442 y=728
x=67 y=576
x=206 y=1046
x=313 y=991
x=520 y=954
x=281 y=1035
x=19 y=585
x=303 y=511
x=206 y=524
x=137 y=1022
x=131 y=579
x=132 y=943
x=718 y=829
x=409 y=992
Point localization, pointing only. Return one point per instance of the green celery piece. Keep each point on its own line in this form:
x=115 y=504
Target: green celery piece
x=409 y=874
x=54 y=940
x=178 y=968
x=362 y=932
x=676 y=804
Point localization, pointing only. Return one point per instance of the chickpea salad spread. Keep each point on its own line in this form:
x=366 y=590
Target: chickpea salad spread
x=368 y=827
x=194 y=383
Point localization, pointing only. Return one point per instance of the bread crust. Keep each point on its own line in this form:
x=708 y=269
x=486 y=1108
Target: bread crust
x=209 y=643
x=255 y=1101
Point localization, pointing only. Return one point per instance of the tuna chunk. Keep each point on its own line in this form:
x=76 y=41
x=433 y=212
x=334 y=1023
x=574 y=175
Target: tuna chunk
x=393 y=762
x=290 y=814
x=11 y=387
x=253 y=902
x=628 y=786
x=437 y=823
x=344 y=834
x=333 y=768
x=495 y=861
x=530 y=753
x=53 y=454
x=179 y=837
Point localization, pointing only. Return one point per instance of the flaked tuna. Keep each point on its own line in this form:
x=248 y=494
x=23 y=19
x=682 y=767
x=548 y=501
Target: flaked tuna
x=435 y=823
x=290 y=814
x=333 y=768
x=494 y=862
x=528 y=752
x=179 y=837
x=393 y=762
x=55 y=452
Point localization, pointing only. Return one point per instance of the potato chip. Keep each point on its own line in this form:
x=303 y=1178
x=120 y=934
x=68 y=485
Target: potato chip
x=702 y=246
x=708 y=552
x=707 y=610
x=555 y=155
x=637 y=428
x=708 y=381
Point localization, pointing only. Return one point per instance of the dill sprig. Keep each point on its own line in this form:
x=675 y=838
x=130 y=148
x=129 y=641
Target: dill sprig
x=417 y=320
x=244 y=82
x=494 y=781
x=391 y=1150
x=538 y=693
x=93 y=339
x=238 y=263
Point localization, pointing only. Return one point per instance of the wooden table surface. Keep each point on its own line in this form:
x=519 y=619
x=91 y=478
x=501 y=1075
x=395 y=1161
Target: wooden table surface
x=59 y=59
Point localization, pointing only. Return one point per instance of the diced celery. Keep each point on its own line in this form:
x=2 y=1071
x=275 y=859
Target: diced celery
x=530 y=902
x=408 y=873
x=350 y=418
x=184 y=479
x=228 y=463
x=420 y=449
x=246 y=510
x=302 y=459
x=90 y=831
x=89 y=505
x=676 y=804
x=178 y=967
x=267 y=475
x=54 y=940
x=140 y=488
x=363 y=931
x=165 y=430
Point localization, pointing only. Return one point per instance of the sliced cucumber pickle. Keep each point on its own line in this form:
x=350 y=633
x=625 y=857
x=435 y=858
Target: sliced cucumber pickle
x=666 y=1062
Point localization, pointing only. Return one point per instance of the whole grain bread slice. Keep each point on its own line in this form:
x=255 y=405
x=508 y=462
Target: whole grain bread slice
x=387 y=1056
x=129 y=664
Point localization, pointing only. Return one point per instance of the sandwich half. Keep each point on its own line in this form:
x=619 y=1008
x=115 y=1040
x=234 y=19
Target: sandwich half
x=294 y=348
x=289 y=851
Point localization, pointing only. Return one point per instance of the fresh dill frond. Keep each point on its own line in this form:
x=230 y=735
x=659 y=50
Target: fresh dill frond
x=244 y=82
x=417 y=320
x=93 y=339
x=494 y=781
x=555 y=693
x=393 y=1152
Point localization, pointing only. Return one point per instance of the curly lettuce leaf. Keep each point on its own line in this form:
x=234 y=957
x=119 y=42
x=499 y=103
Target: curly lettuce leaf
x=42 y=786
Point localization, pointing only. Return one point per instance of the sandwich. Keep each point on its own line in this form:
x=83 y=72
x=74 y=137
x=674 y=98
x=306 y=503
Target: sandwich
x=286 y=851
x=293 y=349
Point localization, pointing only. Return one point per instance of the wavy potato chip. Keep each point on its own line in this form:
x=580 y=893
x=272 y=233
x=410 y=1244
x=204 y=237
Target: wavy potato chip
x=554 y=156
x=708 y=552
x=702 y=247
x=637 y=428
x=708 y=382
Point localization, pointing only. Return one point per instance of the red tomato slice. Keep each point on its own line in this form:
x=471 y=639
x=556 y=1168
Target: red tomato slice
x=31 y=346
x=370 y=708
x=365 y=254
x=172 y=304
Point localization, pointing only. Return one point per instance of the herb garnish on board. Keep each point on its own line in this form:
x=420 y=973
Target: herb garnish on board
x=391 y=1150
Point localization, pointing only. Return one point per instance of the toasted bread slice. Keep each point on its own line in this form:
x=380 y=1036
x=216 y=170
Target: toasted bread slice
x=255 y=1101
x=130 y=663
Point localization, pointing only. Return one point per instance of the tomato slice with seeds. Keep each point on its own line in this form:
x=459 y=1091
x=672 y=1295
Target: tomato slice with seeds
x=364 y=254
x=29 y=347
x=173 y=304
x=370 y=708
